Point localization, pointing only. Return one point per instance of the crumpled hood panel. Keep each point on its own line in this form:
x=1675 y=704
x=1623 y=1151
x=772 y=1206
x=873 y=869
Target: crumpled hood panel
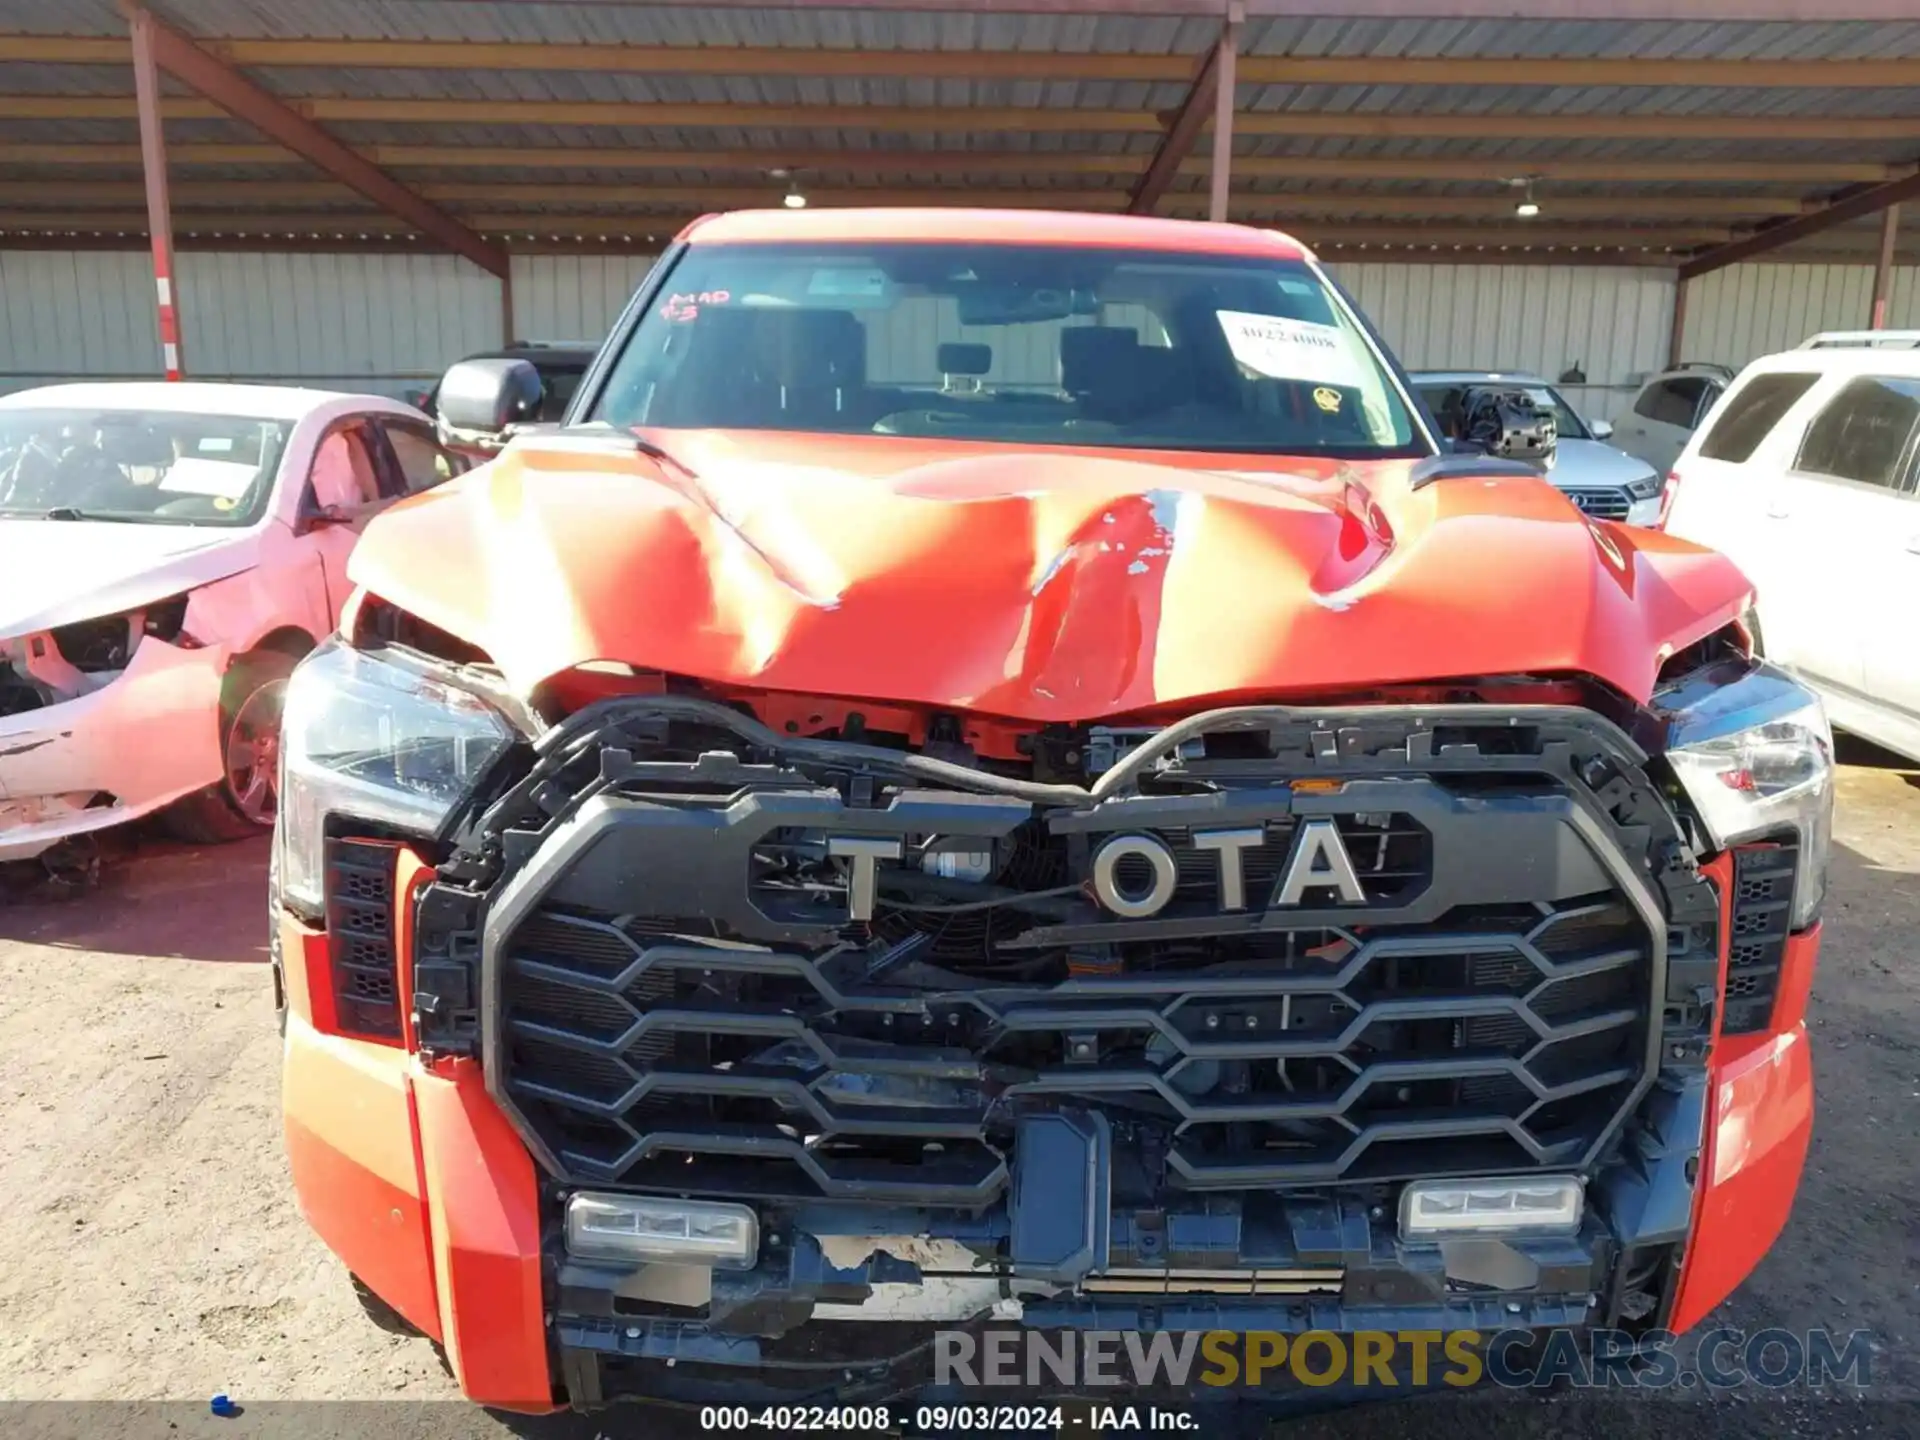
x=1044 y=584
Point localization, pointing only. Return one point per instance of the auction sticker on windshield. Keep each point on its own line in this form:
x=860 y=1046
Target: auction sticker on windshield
x=1283 y=349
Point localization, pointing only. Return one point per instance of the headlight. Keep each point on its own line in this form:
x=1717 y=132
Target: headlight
x=1756 y=759
x=1646 y=487
x=379 y=740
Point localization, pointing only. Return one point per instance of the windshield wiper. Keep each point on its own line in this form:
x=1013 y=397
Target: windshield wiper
x=67 y=512
x=639 y=442
x=655 y=452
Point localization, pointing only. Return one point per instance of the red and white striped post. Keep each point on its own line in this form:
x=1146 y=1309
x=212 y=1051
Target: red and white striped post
x=153 y=164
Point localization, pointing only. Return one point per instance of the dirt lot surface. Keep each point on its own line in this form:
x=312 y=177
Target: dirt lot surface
x=150 y=1250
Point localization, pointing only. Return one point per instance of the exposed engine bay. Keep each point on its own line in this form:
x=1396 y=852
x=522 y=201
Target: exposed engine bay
x=1507 y=421
x=48 y=667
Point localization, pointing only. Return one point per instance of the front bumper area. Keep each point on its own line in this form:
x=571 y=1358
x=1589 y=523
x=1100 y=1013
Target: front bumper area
x=417 y=1180
x=144 y=740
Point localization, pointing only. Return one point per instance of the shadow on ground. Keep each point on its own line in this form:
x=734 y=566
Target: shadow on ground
x=148 y=898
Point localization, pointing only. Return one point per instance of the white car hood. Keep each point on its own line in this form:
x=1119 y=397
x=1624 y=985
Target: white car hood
x=53 y=572
x=1580 y=463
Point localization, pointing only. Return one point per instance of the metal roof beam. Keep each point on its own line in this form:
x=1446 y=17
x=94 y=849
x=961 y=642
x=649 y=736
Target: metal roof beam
x=1317 y=232
x=466 y=55
x=238 y=96
x=989 y=162
x=1624 y=207
x=1182 y=128
x=963 y=120
x=1687 y=11
x=1856 y=205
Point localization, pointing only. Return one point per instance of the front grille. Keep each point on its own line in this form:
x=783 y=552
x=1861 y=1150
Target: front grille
x=683 y=1001
x=1763 y=878
x=1601 y=503
x=1329 y=1056
x=359 y=890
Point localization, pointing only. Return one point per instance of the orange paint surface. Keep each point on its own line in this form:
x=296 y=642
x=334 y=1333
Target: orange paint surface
x=1759 y=1122
x=349 y=1135
x=484 y=1208
x=909 y=225
x=1040 y=584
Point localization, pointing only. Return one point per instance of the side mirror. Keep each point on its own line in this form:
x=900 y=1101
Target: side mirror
x=480 y=400
x=1602 y=429
x=324 y=517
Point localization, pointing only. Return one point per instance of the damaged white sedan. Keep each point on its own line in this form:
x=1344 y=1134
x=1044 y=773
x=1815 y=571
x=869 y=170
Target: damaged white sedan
x=168 y=552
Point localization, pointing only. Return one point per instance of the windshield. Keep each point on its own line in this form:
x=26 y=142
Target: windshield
x=142 y=466
x=1444 y=401
x=1029 y=345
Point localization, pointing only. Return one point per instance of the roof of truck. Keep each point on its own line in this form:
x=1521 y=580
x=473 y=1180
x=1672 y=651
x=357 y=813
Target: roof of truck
x=990 y=227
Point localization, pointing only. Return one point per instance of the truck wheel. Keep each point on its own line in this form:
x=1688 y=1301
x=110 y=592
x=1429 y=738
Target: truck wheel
x=276 y=956
x=244 y=801
x=383 y=1315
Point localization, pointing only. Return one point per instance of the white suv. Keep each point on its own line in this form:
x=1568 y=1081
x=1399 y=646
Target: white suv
x=1667 y=411
x=1805 y=474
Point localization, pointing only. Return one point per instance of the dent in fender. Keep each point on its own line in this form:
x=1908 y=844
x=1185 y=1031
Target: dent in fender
x=483 y=1208
x=418 y=1183
x=349 y=1122
x=1759 y=1123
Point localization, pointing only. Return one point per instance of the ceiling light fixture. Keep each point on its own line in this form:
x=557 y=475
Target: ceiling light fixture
x=793 y=199
x=1528 y=207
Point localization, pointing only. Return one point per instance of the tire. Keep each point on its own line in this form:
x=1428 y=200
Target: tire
x=276 y=959
x=383 y=1315
x=234 y=807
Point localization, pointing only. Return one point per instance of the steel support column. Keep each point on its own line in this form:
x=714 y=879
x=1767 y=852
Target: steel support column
x=235 y=94
x=1223 y=104
x=1184 y=125
x=1883 y=269
x=153 y=165
x=1676 y=337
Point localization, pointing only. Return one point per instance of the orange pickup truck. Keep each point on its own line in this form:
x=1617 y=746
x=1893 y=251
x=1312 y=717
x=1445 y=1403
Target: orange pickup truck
x=995 y=771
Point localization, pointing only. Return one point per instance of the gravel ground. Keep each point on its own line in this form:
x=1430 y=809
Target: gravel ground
x=150 y=1251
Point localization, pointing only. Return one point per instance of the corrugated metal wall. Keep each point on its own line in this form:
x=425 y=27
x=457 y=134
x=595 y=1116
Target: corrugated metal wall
x=567 y=297
x=1610 y=322
x=85 y=313
x=1744 y=311
x=357 y=322
x=387 y=322
x=334 y=321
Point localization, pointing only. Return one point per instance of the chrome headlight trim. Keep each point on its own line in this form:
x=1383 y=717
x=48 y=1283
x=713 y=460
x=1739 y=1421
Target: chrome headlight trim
x=1755 y=757
x=390 y=741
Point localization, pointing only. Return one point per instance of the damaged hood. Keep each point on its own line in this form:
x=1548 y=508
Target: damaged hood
x=1043 y=584
x=53 y=572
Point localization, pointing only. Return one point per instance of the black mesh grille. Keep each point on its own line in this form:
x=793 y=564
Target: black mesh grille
x=1503 y=1037
x=360 y=936
x=691 y=983
x=1763 y=877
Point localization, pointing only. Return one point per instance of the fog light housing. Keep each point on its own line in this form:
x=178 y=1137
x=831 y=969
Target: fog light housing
x=1537 y=1205
x=660 y=1231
